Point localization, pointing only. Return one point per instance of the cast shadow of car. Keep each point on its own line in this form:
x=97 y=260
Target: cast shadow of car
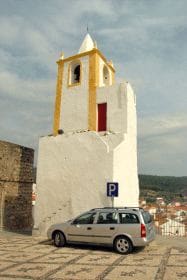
x=86 y=247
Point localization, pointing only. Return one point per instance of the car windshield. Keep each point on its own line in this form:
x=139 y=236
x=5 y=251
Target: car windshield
x=147 y=217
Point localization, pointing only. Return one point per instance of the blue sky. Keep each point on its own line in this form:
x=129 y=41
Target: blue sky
x=147 y=41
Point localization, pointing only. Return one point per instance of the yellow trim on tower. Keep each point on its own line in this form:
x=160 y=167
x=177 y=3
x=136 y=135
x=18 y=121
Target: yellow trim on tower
x=79 y=55
x=56 y=123
x=93 y=83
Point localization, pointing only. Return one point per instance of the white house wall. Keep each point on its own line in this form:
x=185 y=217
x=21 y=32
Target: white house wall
x=173 y=227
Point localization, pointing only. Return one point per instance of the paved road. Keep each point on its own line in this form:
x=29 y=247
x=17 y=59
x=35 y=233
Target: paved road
x=26 y=257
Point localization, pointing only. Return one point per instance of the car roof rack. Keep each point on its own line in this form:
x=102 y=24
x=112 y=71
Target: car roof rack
x=126 y=207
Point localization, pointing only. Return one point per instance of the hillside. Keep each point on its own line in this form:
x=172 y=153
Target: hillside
x=169 y=187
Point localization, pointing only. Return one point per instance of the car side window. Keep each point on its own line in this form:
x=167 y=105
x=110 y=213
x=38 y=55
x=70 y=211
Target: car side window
x=147 y=217
x=107 y=218
x=128 y=218
x=87 y=218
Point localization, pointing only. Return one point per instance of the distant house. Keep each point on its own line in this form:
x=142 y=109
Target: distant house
x=173 y=227
x=181 y=214
x=152 y=210
x=181 y=210
x=160 y=201
x=142 y=202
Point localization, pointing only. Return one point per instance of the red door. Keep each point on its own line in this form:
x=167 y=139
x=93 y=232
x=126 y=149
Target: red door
x=102 y=109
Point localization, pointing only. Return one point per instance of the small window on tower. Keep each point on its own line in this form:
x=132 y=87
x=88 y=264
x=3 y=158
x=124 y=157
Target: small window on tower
x=106 y=76
x=75 y=73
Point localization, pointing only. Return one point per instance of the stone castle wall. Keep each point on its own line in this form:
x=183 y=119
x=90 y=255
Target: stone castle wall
x=16 y=178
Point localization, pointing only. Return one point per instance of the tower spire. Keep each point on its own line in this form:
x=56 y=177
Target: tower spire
x=87 y=44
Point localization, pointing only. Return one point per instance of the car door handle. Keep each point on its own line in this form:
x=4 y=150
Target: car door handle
x=112 y=228
x=89 y=228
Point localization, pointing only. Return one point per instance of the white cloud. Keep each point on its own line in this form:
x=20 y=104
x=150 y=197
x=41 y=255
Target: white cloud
x=161 y=125
x=34 y=90
x=162 y=145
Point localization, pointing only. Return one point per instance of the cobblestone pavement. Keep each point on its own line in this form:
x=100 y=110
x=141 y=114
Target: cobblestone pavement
x=27 y=257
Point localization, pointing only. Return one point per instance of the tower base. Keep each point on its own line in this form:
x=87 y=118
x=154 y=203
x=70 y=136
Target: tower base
x=73 y=171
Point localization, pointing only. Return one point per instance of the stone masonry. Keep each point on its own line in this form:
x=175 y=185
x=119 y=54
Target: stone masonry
x=16 y=178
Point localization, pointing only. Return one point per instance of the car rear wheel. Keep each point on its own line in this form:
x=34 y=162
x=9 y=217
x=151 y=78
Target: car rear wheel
x=123 y=245
x=59 y=239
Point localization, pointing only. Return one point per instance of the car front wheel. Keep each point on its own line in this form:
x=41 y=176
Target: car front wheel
x=123 y=245
x=59 y=239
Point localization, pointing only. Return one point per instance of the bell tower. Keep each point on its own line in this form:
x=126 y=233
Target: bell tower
x=78 y=78
x=98 y=143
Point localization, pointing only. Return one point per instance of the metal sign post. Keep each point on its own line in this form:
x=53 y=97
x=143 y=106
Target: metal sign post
x=112 y=198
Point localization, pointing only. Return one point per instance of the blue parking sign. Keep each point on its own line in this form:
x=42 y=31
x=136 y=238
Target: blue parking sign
x=112 y=189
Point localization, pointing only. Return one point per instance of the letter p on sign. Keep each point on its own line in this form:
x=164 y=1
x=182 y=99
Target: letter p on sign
x=112 y=189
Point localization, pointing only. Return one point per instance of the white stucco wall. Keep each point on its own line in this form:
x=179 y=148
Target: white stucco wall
x=116 y=98
x=125 y=158
x=72 y=174
x=72 y=170
x=74 y=103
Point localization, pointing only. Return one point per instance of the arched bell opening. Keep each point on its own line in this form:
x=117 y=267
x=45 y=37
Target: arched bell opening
x=75 y=73
x=106 y=76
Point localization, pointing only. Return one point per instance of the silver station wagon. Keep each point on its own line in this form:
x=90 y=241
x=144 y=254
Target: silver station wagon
x=123 y=228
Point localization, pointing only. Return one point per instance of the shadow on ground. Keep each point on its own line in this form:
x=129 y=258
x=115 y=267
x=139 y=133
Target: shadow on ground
x=90 y=247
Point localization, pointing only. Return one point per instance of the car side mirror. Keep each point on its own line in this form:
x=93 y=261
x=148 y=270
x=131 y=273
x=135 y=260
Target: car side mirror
x=74 y=222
